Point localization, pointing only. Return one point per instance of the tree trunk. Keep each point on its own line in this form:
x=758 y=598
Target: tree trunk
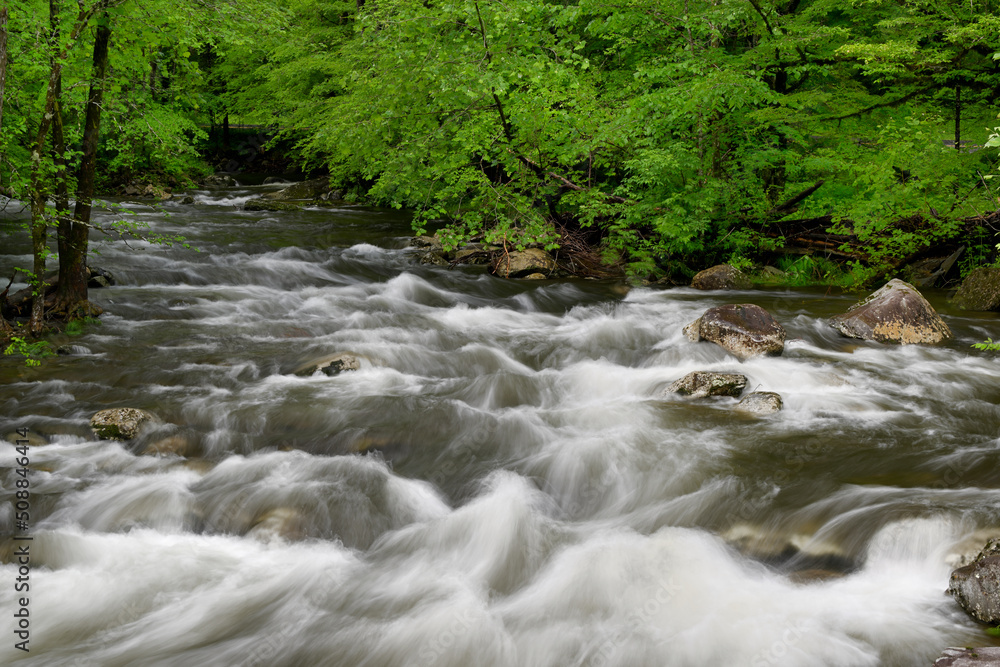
x=958 y=117
x=3 y=58
x=72 y=294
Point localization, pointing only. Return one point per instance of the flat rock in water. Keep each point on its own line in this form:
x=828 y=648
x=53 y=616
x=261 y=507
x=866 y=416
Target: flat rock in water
x=261 y=204
x=703 y=383
x=518 y=263
x=986 y=656
x=720 y=277
x=332 y=365
x=895 y=313
x=120 y=423
x=979 y=291
x=976 y=587
x=746 y=330
x=761 y=403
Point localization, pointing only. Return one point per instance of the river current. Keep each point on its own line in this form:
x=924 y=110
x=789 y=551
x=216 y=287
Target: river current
x=500 y=484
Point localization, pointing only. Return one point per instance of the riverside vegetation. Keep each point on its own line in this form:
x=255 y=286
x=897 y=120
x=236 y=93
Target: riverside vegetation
x=650 y=137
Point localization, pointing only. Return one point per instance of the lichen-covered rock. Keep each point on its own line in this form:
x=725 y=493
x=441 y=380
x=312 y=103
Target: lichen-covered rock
x=976 y=587
x=985 y=656
x=518 y=263
x=331 y=365
x=760 y=403
x=703 y=383
x=120 y=423
x=720 y=277
x=980 y=290
x=895 y=313
x=746 y=330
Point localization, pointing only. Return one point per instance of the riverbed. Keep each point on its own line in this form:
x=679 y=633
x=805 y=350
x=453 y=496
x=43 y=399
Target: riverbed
x=503 y=482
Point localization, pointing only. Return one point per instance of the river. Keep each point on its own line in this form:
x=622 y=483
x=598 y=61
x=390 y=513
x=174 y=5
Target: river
x=501 y=483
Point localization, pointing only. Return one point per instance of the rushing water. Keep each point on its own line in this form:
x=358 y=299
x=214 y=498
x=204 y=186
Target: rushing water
x=500 y=484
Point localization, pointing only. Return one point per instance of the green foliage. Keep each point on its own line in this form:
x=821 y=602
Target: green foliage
x=988 y=345
x=32 y=351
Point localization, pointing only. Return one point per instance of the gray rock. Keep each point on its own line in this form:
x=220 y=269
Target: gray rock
x=434 y=258
x=720 y=277
x=275 y=179
x=760 y=403
x=703 y=383
x=428 y=242
x=518 y=263
x=221 y=181
x=987 y=656
x=745 y=330
x=121 y=423
x=895 y=313
x=976 y=587
x=332 y=365
x=980 y=290
x=98 y=277
x=188 y=200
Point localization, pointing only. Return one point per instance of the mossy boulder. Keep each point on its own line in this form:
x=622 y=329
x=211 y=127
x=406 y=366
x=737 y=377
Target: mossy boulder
x=720 y=277
x=979 y=291
x=521 y=263
x=700 y=384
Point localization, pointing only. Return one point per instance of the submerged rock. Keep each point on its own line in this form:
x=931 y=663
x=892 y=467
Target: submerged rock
x=282 y=522
x=895 y=313
x=332 y=365
x=720 y=277
x=986 y=656
x=121 y=423
x=177 y=445
x=745 y=330
x=976 y=587
x=703 y=383
x=519 y=263
x=761 y=403
x=980 y=290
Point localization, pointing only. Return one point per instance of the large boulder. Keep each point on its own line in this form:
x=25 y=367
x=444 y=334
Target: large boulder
x=895 y=313
x=121 y=423
x=722 y=276
x=519 y=263
x=313 y=189
x=760 y=403
x=976 y=587
x=746 y=330
x=980 y=290
x=703 y=383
